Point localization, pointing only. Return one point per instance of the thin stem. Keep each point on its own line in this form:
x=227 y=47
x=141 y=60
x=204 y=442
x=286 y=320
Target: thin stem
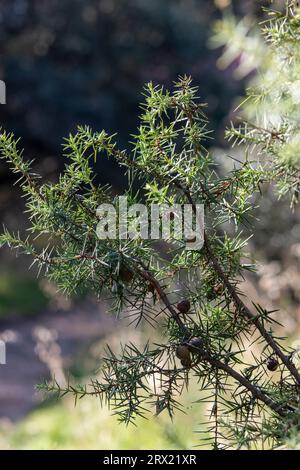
x=239 y=303
x=163 y=296
x=256 y=392
x=244 y=309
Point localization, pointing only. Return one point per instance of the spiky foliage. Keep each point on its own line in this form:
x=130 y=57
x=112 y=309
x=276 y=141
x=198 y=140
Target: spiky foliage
x=230 y=349
x=270 y=113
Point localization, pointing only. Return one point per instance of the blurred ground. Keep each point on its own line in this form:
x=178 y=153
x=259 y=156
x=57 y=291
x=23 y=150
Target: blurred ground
x=61 y=425
x=48 y=345
x=72 y=342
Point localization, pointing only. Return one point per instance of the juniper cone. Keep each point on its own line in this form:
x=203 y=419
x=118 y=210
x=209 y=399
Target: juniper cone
x=183 y=353
x=125 y=274
x=272 y=364
x=151 y=288
x=187 y=362
x=195 y=342
x=184 y=306
x=218 y=289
